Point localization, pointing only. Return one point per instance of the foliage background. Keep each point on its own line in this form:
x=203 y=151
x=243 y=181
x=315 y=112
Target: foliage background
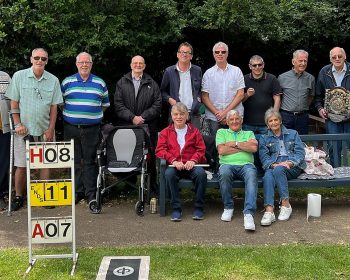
x=115 y=30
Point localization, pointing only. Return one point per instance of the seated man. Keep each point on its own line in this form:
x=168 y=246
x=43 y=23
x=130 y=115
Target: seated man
x=182 y=145
x=236 y=148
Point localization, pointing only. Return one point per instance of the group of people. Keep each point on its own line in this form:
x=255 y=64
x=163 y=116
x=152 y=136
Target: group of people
x=255 y=119
x=244 y=114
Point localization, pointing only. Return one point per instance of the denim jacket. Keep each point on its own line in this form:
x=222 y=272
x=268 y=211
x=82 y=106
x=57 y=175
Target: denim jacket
x=269 y=148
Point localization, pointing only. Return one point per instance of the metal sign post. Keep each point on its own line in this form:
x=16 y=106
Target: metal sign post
x=60 y=192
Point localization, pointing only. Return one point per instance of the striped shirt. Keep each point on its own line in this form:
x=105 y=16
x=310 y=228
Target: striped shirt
x=83 y=100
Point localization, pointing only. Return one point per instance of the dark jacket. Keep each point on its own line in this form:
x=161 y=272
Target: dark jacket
x=169 y=149
x=147 y=104
x=326 y=80
x=171 y=84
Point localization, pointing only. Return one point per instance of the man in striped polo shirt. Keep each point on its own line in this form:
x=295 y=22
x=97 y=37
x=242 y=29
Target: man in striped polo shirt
x=85 y=99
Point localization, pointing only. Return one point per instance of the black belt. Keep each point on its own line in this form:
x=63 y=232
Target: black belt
x=82 y=125
x=294 y=113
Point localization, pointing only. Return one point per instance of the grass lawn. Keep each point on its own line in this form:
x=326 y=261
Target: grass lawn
x=194 y=262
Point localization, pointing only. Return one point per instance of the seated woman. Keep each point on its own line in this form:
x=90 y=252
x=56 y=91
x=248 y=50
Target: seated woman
x=182 y=146
x=282 y=156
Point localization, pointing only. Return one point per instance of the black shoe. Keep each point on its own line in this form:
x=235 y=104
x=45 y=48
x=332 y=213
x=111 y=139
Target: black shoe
x=79 y=197
x=17 y=203
x=3 y=204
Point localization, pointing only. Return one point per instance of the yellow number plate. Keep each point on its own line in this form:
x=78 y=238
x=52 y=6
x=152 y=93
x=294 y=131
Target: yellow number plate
x=51 y=194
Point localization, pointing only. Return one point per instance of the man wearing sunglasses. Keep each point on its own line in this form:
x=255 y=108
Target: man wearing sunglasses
x=335 y=74
x=222 y=89
x=35 y=94
x=262 y=91
x=298 y=88
x=182 y=83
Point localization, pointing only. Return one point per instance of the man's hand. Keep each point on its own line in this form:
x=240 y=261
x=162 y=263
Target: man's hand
x=189 y=165
x=178 y=165
x=48 y=135
x=220 y=115
x=21 y=130
x=138 y=120
x=323 y=113
x=250 y=92
x=172 y=101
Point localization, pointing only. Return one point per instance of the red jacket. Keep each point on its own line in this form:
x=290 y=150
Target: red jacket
x=169 y=149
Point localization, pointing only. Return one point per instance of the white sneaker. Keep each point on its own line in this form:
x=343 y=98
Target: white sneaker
x=268 y=219
x=285 y=213
x=249 y=222
x=227 y=215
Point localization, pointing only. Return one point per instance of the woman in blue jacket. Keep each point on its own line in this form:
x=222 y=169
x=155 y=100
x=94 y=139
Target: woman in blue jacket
x=282 y=154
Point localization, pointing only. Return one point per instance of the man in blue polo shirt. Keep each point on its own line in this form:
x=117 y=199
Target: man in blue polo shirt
x=85 y=98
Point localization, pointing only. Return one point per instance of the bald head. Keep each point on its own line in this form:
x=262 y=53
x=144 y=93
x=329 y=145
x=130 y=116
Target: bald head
x=137 y=66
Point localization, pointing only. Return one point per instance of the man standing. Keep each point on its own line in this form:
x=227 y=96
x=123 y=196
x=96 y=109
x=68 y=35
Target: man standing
x=262 y=91
x=138 y=101
x=182 y=83
x=4 y=137
x=336 y=74
x=85 y=98
x=298 y=88
x=222 y=89
x=236 y=148
x=35 y=94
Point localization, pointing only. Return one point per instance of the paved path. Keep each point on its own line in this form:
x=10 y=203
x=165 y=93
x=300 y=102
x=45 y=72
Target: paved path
x=118 y=225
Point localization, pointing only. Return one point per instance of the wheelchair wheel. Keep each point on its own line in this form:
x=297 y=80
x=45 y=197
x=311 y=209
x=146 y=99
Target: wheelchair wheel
x=94 y=207
x=139 y=207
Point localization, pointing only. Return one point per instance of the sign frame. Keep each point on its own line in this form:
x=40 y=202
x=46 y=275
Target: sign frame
x=34 y=147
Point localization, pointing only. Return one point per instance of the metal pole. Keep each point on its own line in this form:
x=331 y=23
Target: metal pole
x=12 y=131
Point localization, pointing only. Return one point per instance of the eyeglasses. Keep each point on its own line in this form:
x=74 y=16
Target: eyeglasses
x=256 y=65
x=337 y=56
x=84 y=62
x=220 y=52
x=38 y=93
x=43 y=58
x=184 y=53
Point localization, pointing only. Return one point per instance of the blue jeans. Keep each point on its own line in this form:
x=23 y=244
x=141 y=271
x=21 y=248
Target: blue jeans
x=199 y=179
x=247 y=173
x=332 y=127
x=299 y=123
x=85 y=147
x=278 y=177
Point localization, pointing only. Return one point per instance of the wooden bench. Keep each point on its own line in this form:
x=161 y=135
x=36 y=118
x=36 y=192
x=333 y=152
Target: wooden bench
x=319 y=140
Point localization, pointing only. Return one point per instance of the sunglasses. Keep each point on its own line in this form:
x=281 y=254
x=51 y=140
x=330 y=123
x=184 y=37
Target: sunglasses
x=220 y=52
x=256 y=65
x=337 y=56
x=43 y=58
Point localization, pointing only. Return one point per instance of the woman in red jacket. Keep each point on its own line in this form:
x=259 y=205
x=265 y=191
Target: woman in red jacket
x=182 y=146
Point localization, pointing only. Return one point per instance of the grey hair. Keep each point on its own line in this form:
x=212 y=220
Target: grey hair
x=40 y=49
x=341 y=49
x=182 y=108
x=84 y=53
x=220 y=44
x=272 y=112
x=297 y=52
x=233 y=112
x=256 y=57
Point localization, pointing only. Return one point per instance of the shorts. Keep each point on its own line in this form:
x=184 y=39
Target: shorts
x=19 y=149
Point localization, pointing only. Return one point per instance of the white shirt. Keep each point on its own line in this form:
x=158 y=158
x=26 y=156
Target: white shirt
x=339 y=75
x=181 y=132
x=222 y=86
x=185 y=90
